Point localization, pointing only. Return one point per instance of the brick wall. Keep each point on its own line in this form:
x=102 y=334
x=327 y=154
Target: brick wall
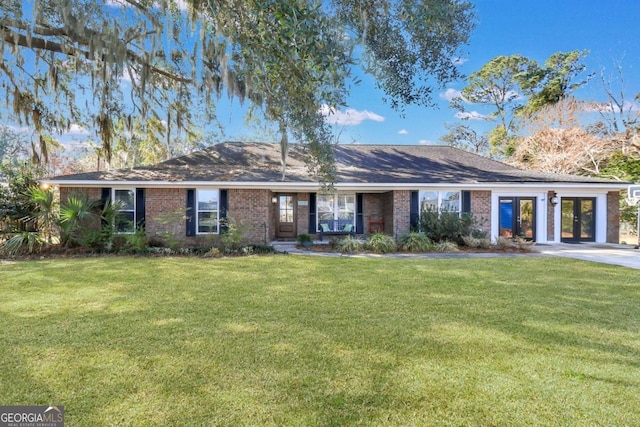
x=401 y=212
x=481 y=209
x=165 y=211
x=613 y=217
x=91 y=192
x=302 y=225
x=254 y=213
x=388 y=212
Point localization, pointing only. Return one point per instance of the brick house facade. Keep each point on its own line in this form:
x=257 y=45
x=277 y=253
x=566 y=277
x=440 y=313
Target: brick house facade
x=385 y=193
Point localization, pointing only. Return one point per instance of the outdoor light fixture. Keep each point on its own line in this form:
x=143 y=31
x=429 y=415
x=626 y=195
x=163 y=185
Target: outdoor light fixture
x=554 y=199
x=274 y=200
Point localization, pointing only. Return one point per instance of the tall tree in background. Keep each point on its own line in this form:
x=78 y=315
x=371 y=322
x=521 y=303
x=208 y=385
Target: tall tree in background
x=619 y=114
x=515 y=87
x=555 y=80
x=466 y=138
x=499 y=84
x=12 y=145
x=64 y=61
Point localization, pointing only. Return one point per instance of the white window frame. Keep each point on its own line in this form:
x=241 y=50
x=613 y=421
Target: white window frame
x=114 y=200
x=200 y=191
x=336 y=210
x=440 y=200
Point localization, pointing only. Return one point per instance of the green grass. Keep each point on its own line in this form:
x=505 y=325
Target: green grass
x=314 y=341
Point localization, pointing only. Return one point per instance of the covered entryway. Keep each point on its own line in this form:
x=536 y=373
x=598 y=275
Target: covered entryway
x=285 y=216
x=518 y=217
x=578 y=219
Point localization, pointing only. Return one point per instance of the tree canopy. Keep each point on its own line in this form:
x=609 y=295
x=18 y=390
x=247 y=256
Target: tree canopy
x=100 y=63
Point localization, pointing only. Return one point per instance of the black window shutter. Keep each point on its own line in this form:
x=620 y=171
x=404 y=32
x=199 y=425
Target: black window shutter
x=224 y=206
x=466 y=201
x=105 y=195
x=359 y=214
x=191 y=212
x=415 y=211
x=105 y=199
x=312 y=213
x=140 y=209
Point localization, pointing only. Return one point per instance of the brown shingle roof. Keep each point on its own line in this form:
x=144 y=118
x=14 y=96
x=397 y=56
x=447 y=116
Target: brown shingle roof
x=373 y=164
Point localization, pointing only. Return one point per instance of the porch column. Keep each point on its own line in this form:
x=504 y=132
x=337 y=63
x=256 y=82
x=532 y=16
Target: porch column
x=401 y=212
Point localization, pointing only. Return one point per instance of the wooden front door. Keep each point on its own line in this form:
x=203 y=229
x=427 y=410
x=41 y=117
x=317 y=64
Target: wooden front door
x=286 y=216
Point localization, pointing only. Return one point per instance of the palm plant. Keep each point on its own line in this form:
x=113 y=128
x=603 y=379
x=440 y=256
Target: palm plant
x=29 y=240
x=45 y=214
x=77 y=213
x=88 y=223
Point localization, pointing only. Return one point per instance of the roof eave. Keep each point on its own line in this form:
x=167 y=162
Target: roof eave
x=346 y=186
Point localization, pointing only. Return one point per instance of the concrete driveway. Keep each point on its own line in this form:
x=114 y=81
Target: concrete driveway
x=624 y=255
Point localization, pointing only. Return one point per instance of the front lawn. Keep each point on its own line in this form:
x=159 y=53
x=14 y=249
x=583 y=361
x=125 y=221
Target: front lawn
x=289 y=340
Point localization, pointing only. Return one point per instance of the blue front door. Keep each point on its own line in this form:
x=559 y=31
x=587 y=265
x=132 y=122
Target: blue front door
x=517 y=217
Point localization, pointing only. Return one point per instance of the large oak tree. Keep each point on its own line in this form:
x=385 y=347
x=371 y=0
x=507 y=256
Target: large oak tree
x=64 y=61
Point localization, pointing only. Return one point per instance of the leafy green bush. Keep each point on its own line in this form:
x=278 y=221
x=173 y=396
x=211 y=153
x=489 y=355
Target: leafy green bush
x=16 y=204
x=415 y=242
x=348 y=245
x=381 y=243
x=133 y=243
x=447 y=225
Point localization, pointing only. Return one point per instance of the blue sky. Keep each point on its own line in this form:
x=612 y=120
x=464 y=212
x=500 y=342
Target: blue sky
x=535 y=29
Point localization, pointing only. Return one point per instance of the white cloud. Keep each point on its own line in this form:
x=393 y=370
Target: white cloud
x=350 y=117
x=403 y=132
x=425 y=142
x=75 y=129
x=129 y=77
x=473 y=115
x=512 y=95
x=459 y=61
x=451 y=93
